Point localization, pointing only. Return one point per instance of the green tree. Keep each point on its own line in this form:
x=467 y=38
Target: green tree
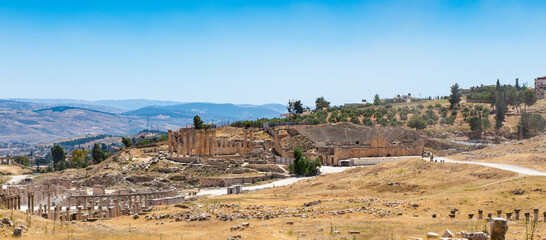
x=78 y=158
x=302 y=165
x=126 y=141
x=455 y=96
x=97 y=154
x=531 y=124
x=321 y=103
x=417 y=122
x=529 y=98
x=298 y=107
x=367 y=121
x=59 y=158
x=500 y=107
x=197 y=122
x=376 y=100
x=355 y=120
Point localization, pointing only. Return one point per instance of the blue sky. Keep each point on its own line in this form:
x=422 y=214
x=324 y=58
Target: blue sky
x=265 y=51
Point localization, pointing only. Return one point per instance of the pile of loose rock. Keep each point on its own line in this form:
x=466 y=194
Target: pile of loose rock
x=183 y=216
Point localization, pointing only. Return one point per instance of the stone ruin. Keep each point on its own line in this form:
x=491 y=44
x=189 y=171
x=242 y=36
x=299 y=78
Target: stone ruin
x=334 y=142
x=56 y=199
x=203 y=142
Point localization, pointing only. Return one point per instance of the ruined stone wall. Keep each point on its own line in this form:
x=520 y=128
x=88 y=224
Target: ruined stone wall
x=194 y=142
x=378 y=148
x=224 y=182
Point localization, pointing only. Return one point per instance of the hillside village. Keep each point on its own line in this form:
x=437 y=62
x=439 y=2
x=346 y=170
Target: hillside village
x=401 y=168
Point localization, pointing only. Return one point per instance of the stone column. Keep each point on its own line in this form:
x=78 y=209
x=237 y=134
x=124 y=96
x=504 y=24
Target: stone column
x=28 y=204
x=516 y=211
x=92 y=203
x=48 y=205
x=79 y=216
x=480 y=214
x=213 y=141
x=40 y=210
x=250 y=145
x=171 y=141
x=187 y=143
x=527 y=216
x=244 y=141
x=131 y=205
x=206 y=143
x=181 y=147
x=201 y=142
x=498 y=229
x=116 y=207
x=89 y=212
x=499 y=213
x=196 y=143
x=535 y=211
x=68 y=213
x=56 y=212
x=508 y=216
x=100 y=208
x=32 y=203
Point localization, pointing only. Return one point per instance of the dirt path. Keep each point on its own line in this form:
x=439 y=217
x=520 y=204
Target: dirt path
x=16 y=179
x=502 y=166
x=212 y=192
x=522 y=171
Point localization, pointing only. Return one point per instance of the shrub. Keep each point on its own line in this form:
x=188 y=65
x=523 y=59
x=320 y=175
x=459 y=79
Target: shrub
x=417 y=122
x=302 y=165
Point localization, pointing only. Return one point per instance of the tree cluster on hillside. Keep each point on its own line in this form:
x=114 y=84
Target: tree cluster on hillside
x=383 y=114
x=503 y=96
x=303 y=166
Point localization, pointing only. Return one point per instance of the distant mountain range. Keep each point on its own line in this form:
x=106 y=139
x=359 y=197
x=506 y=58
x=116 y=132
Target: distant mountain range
x=44 y=120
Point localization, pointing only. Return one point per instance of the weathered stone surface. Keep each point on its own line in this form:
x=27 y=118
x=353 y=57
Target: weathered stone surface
x=432 y=235
x=7 y=222
x=447 y=234
x=479 y=236
x=498 y=228
x=17 y=232
x=135 y=216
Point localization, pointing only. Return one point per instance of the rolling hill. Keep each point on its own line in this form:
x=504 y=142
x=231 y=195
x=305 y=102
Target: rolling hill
x=43 y=120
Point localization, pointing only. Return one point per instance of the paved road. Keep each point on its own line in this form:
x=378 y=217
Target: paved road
x=502 y=166
x=283 y=182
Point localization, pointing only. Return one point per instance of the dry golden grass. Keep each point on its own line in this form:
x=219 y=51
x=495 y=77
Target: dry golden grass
x=530 y=153
x=435 y=187
x=12 y=169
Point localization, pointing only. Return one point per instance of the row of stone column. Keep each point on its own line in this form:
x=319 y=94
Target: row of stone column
x=11 y=201
x=109 y=206
x=247 y=141
x=192 y=142
x=509 y=215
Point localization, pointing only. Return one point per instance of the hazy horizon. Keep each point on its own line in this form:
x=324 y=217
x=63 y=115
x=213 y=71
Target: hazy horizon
x=257 y=52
